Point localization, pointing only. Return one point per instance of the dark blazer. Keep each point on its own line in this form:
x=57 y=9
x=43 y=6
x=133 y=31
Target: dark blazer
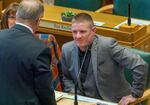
x=25 y=76
x=108 y=61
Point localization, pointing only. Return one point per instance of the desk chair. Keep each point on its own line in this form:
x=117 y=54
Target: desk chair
x=145 y=99
x=139 y=8
x=55 y=56
x=90 y=5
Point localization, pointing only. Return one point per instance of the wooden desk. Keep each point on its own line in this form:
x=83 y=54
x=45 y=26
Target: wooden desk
x=52 y=23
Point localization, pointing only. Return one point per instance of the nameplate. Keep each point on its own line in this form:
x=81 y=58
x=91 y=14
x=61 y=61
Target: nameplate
x=54 y=25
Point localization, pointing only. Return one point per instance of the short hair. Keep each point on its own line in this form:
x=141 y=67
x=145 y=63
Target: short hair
x=30 y=10
x=11 y=9
x=83 y=17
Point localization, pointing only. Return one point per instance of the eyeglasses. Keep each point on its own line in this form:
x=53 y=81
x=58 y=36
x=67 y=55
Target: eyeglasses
x=12 y=17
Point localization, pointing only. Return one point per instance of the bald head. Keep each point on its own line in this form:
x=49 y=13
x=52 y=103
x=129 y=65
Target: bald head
x=30 y=10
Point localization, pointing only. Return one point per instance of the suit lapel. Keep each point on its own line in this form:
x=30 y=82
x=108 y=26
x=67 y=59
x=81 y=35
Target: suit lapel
x=94 y=59
x=75 y=60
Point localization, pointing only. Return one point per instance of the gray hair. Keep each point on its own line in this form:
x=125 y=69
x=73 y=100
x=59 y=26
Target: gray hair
x=30 y=10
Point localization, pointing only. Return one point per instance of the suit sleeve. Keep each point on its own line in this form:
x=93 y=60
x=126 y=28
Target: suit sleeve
x=131 y=61
x=67 y=79
x=43 y=78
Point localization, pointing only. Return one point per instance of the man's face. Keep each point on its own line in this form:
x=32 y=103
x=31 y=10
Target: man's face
x=83 y=34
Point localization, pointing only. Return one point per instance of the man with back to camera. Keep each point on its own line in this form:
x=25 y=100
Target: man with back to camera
x=102 y=60
x=25 y=75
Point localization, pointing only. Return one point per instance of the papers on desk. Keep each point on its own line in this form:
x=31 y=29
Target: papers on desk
x=135 y=21
x=58 y=95
x=96 y=23
x=90 y=100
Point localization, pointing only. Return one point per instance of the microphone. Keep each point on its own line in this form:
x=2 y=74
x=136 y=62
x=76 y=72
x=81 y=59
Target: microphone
x=78 y=76
x=129 y=15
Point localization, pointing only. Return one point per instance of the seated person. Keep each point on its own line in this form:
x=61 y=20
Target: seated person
x=96 y=64
x=9 y=19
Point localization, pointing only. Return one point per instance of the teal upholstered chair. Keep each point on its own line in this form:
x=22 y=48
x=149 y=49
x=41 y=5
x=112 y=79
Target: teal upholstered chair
x=128 y=75
x=90 y=5
x=139 y=8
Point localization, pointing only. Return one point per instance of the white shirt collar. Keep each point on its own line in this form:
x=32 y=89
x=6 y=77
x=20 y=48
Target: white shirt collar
x=25 y=26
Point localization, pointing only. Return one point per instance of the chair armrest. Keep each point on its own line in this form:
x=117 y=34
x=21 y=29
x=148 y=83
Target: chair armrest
x=106 y=9
x=146 y=96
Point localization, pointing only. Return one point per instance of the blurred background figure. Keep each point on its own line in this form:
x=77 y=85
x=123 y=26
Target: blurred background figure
x=8 y=18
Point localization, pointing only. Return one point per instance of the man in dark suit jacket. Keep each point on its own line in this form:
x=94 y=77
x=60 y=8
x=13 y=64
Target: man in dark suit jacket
x=100 y=61
x=25 y=76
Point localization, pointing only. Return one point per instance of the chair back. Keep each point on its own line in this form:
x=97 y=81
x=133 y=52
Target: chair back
x=139 y=8
x=146 y=57
x=55 y=55
x=90 y=5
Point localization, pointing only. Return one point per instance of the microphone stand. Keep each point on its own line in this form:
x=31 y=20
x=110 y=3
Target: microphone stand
x=78 y=76
x=75 y=96
x=129 y=15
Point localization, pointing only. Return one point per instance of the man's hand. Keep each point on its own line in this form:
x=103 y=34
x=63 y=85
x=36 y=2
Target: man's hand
x=127 y=99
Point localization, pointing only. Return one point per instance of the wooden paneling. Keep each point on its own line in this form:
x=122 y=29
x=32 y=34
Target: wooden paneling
x=7 y=2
